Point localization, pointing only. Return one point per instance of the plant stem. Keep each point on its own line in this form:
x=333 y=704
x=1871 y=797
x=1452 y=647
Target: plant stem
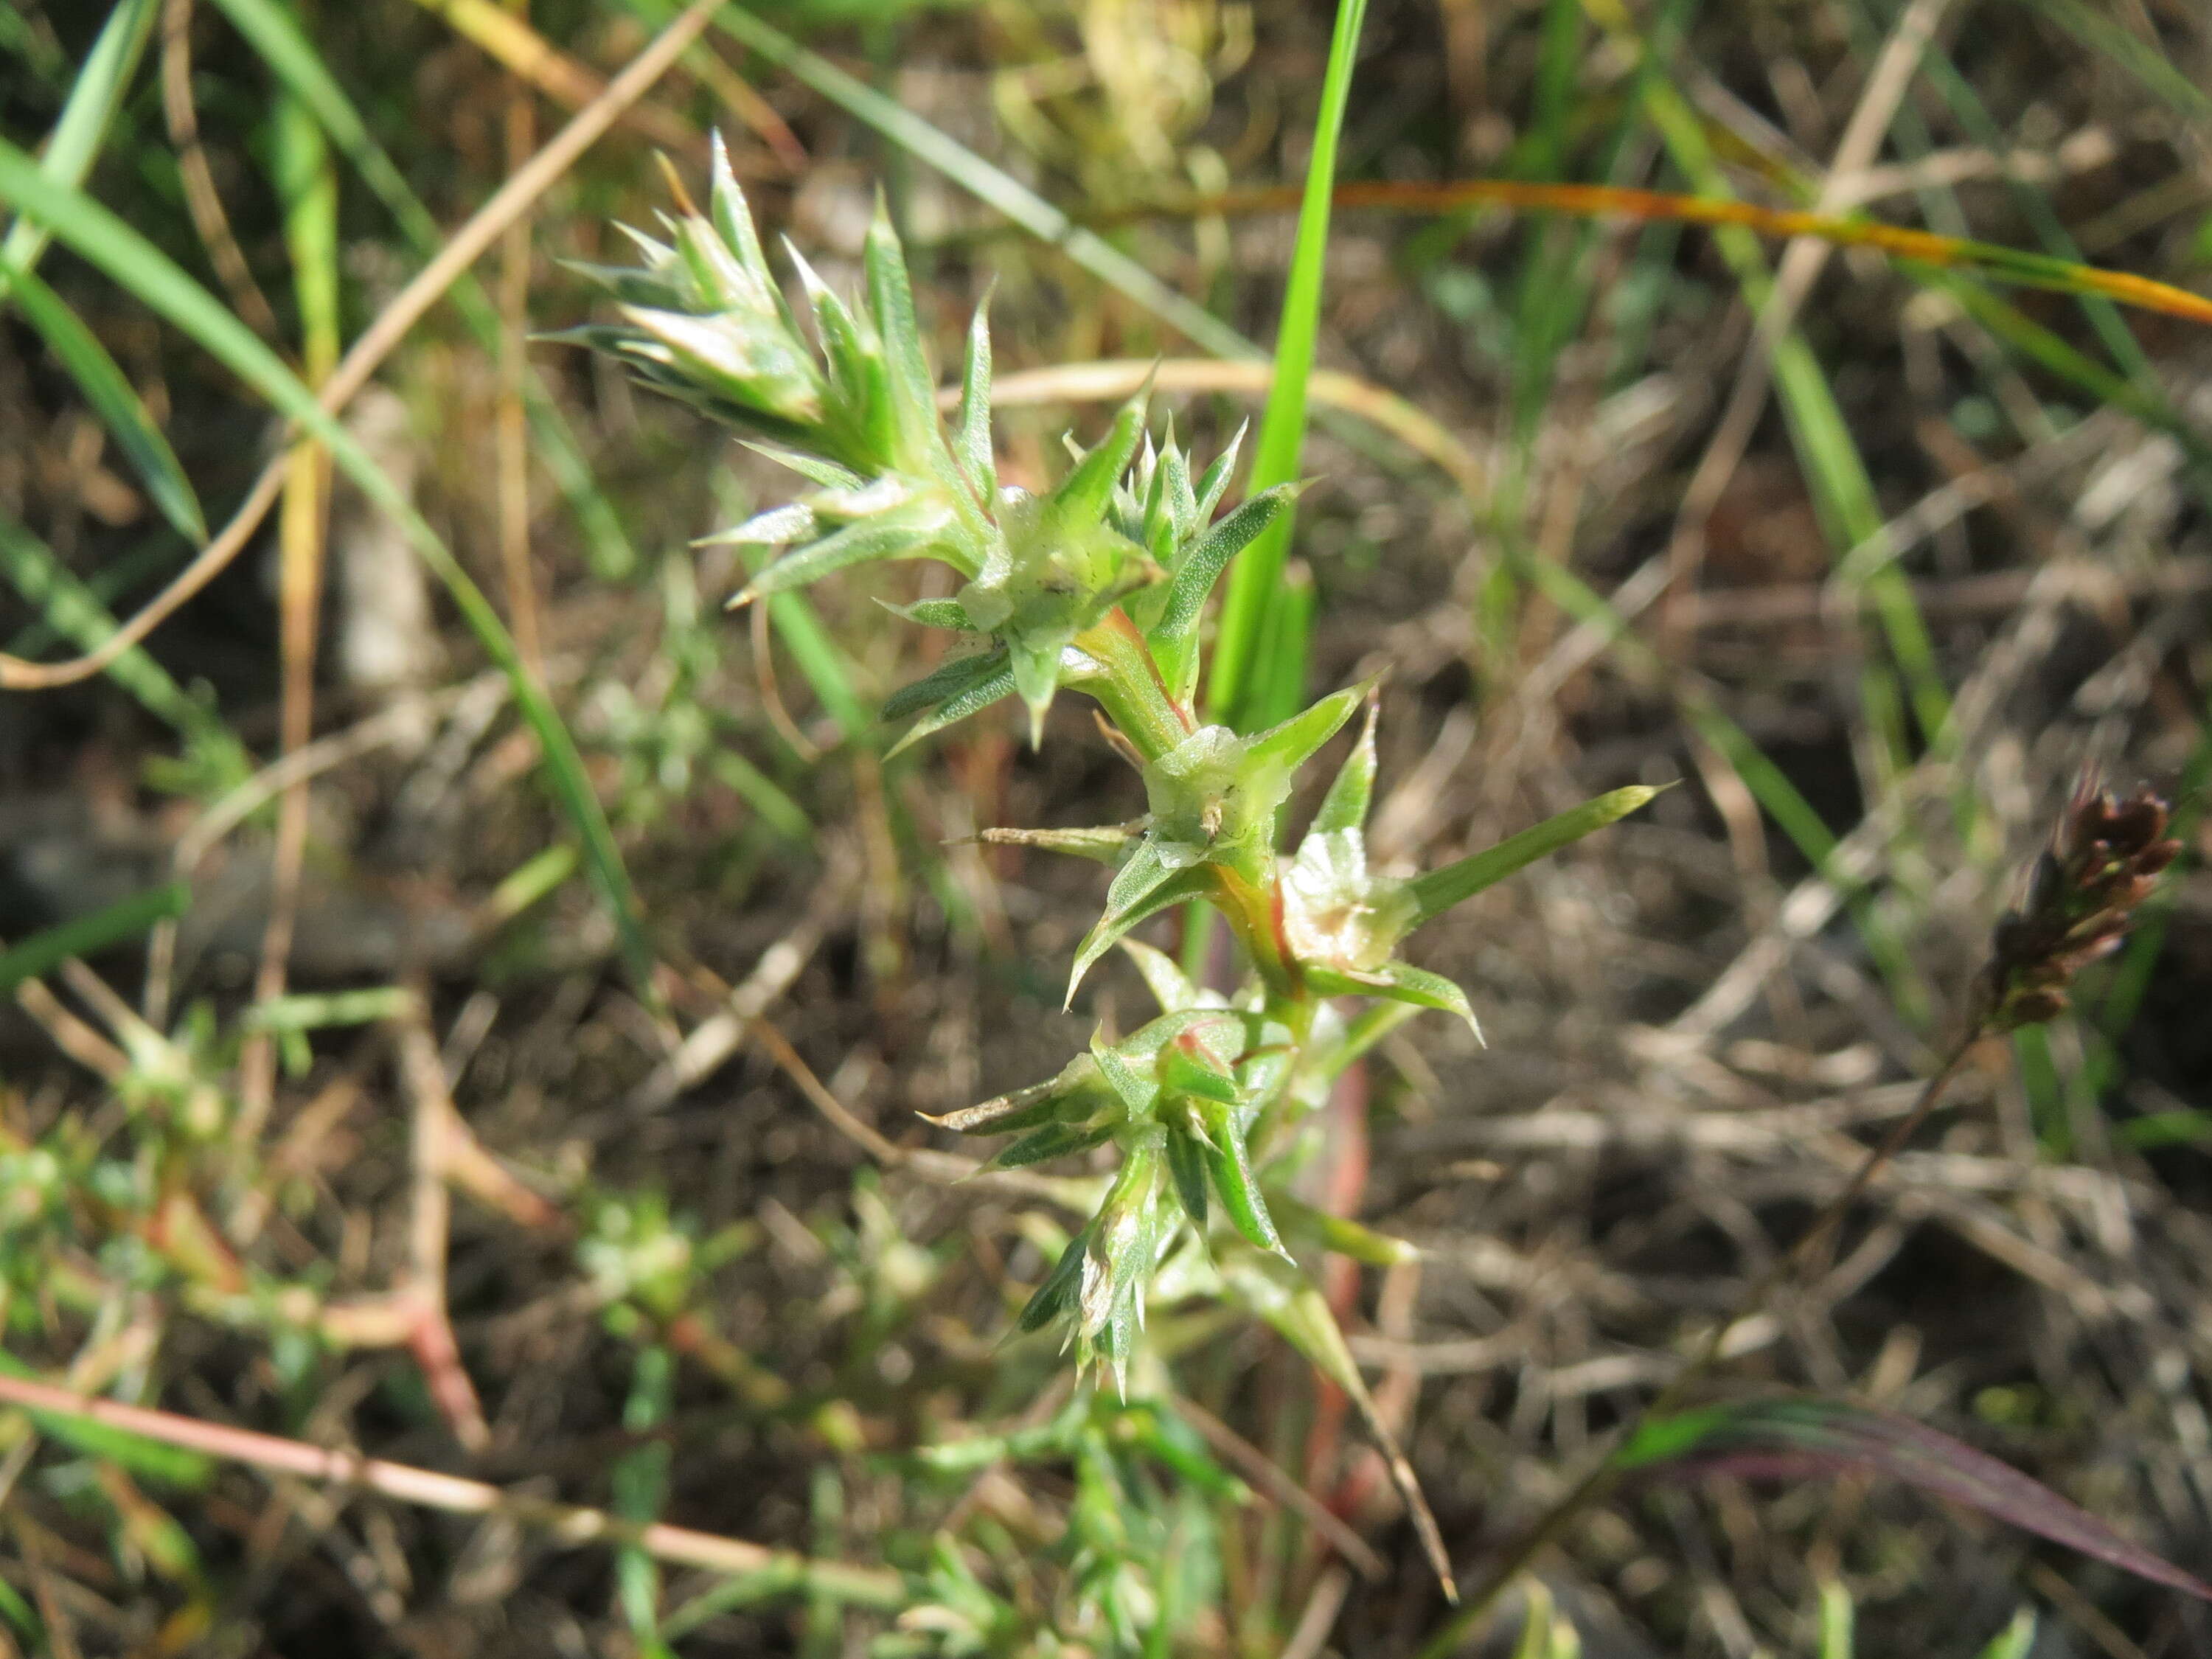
x=1133 y=694
x=1599 y=1483
x=567 y=1524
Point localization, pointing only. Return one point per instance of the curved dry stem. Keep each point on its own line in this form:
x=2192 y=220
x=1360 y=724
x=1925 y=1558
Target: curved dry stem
x=568 y=1524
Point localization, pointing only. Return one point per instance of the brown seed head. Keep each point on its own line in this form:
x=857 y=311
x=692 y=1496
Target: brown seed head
x=2081 y=898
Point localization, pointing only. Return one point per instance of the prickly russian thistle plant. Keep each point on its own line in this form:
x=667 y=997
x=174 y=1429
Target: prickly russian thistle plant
x=1099 y=585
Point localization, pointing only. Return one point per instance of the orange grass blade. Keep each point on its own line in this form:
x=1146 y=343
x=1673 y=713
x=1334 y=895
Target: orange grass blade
x=1990 y=259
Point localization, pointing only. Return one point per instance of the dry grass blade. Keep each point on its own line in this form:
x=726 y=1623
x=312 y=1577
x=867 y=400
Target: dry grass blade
x=201 y=196
x=536 y=62
x=569 y=1525
x=513 y=200
x=1278 y=1486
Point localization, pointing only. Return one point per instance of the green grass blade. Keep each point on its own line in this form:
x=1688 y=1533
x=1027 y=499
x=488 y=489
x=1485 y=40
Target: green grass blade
x=1770 y=786
x=1278 y=687
x=70 y=149
x=816 y=652
x=307 y=186
x=93 y=98
x=276 y=35
x=1248 y=618
x=1843 y=493
x=1839 y=1622
x=113 y=398
x=2039 y=345
x=104 y=240
x=2016 y=1640
x=76 y=613
x=2138 y=57
x=151 y=553
x=640 y=1480
x=83 y=935
x=2035 y=205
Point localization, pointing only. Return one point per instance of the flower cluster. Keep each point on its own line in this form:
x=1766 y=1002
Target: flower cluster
x=1099 y=585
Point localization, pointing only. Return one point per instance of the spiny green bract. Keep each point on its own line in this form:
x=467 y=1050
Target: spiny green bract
x=1098 y=584
x=1177 y=1097
x=1135 y=1547
x=856 y=412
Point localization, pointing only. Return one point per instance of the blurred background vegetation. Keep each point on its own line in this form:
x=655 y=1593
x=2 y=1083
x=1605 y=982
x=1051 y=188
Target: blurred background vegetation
x=521 y=1085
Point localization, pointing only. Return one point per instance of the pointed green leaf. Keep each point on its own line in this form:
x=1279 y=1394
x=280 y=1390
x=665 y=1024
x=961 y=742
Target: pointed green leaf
x=1177 y=886
x=890 y=299
x=1400 y=981
x=632 y=285
x=972 y=447
x=719 y=273
x=1342 y=1234
x=1036 y=678
x=1297 y=740
x=933 y=613
x=735 y=358
x=1136 y=1092
x=904 y=532
x=848 y=356
x=1190 y=1072
x=1439 y=890
x=1215 y=481
x=1186 y=1166
x=1062 y=1098
x=1083 y=495
x=1053 y=1140
x=1056 y=1291
x=774 y=528
x=1175 y=636
x=1182 y=503
x=946 y=681
x=1145 y=871
x=994 y=686
x=1231 y=1165
x=827 y=474
x=1345 y=806
x=733 y=217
